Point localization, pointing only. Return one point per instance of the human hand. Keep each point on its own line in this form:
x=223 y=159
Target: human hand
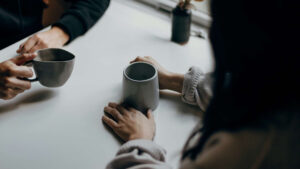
x=53 y=38
x=163 y=74
x=129 y=124
x=46 y=2
x=11 y=72
x=167 y=79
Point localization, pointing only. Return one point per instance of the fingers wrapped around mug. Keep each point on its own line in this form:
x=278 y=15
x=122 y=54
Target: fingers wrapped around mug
x=12 y=72
x=12 y=86
x=53 y=38
x=15 y=83
x=23 y=58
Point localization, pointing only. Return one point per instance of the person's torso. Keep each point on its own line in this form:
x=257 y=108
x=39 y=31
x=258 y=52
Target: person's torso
x=277 y=148
x=19 y=18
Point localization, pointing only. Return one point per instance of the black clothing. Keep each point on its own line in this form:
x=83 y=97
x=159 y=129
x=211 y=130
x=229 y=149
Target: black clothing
x=20 y=18
x=82 y=15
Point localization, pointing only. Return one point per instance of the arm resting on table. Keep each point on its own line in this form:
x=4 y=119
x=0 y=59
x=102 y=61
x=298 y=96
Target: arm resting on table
x=139 y=154
x=81 y=16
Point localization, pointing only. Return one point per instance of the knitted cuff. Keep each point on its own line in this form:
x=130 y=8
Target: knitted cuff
x=191 y=80
x=147 y=146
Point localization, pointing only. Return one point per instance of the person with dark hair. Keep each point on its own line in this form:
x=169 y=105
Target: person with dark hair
x=250 y=102
x=20 y=19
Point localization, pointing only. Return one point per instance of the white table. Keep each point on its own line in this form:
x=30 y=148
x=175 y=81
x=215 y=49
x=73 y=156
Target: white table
x=61 y=128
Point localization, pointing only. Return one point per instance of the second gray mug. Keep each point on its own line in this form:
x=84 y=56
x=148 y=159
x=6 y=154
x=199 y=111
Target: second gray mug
x=140 y=86
x=53 y=67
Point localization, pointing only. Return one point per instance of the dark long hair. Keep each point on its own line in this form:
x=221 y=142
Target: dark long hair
x=257 y=69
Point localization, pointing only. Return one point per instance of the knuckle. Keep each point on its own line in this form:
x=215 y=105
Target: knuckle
x=27 y=85
x=42 y=42
x=7 y=80
x=119 y=126
x=114 y=111
x=26 y=47
x=121 y=119
x=126 y=113
x=119 y=108
x=6 y=65
x=37 y=36
x=30 y=73
x=27 y=72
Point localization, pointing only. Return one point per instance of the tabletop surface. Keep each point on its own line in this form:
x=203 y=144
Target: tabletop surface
x=61 y=128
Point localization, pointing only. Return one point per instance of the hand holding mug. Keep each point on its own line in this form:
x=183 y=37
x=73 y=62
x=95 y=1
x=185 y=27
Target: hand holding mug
x=53 y=66
x=11 y=74
x=167 y=79
x=53 y=38
x=162 y=72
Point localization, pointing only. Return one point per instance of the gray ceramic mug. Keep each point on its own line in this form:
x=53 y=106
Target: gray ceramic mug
x=140 y=86
x=52 y=67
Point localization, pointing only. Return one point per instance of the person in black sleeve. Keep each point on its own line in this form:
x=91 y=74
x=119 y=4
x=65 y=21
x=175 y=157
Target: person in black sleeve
x=20 y=19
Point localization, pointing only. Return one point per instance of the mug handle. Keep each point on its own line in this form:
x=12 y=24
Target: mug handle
x=29 y=63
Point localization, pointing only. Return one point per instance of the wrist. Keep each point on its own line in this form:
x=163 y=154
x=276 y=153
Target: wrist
x=137 y=137
x=62 y=35
x=173 y=81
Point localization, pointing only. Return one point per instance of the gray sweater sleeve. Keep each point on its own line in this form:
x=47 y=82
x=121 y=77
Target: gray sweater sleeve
x=139 y=154
x=197 y=88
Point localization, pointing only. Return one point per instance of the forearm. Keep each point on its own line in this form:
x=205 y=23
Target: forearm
x=81 y=16
x=194 y=86
x=139 y=154
x=63 y=37
x=172 y=81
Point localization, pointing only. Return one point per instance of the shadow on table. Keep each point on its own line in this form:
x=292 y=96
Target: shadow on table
x=182 y=107
x=31 y=97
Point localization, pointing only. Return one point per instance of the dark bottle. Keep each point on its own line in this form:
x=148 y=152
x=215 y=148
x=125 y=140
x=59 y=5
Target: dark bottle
x=181 y=25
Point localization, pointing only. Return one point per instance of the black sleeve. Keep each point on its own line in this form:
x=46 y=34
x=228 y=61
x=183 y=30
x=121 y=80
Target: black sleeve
x=81 y=16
